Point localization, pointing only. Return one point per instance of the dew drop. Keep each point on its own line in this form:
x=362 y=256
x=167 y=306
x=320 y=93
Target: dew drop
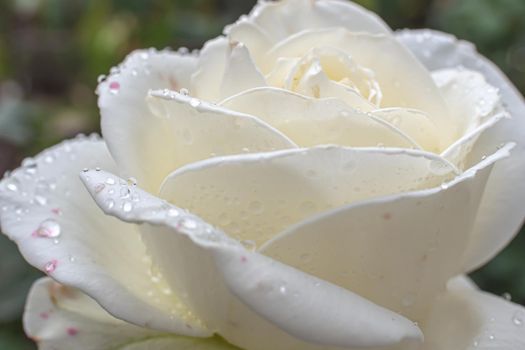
x=283 y=290
x=184 y=92
x=188 y=223
x=110 y=181
x=517 y=318
x=101 y=78
x=12 y=185
x=50 y=266
x=492 y=337
x=195 y=102
x=85 y=170
x=173 y=212
x=110 y=203
x=41 y=200
x=114 y=87
x=131 y=181
x=127 y=206
x=48 y=228
x=506 y=296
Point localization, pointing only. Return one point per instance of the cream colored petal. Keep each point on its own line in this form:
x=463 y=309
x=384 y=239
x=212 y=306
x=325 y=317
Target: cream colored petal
x=134 y=136
x=502 y=211
x=416 y=124
x=254 y=302
x=201 y=130
x=407 y=85
x=399 y=251
x=207 y=80
x=240 y=72
x=466 y=318
x=60 y=231
x=255 y=196
x=63 y=318
x=470 y=98
x=281 y=19
x=310 y=121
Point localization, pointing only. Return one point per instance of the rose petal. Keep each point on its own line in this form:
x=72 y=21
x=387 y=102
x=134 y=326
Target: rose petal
x=279 y=20
x=131 y=132
x=429 y=227
x=240 y=72
x=501 y=211
x=310 y=121
x=206 y=81
x=59 y=317
x=59 y=230
x=408 y=85
x=255 y=196
x=251 y=300
x=465 y=318
x=194 y=126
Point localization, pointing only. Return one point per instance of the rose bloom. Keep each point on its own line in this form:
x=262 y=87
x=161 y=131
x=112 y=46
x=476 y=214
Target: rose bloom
x=308 y=180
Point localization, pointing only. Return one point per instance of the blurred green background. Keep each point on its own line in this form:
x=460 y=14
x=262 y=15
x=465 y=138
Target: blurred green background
x=51 y=52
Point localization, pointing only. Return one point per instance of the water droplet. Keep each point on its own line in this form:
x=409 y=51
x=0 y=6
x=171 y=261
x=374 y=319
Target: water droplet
x=50 y=266
x=283 y=289
x=184 y=92
x=144 y=55
x=172 y=212
x=12 y=185
x=110 y=203
x=492 y=337
x=249 y=244
x=444 y=186
x=97 y=169
x=188 y=223
x=72 y=258
x=85 y=170
x=114 y=87
x=101 y=78
x=518 y=318
x=41 y=200
x=131 y=181
x=506 y=296
x=134 y=72
x=48 y=228
x=110 y=181
x=127 y=206
x=195 y=102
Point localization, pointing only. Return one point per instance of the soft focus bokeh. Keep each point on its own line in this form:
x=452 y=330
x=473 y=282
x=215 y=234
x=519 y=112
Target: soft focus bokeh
x=52 y=51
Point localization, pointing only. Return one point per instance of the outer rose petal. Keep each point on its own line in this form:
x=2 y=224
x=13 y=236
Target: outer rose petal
x=60 y=231
x=429 y=227
x=270 y=22
x=254 y=302
x=253 y=197
x=465 y=318
x=137 y=140
x=502 y=211
x=63 y=318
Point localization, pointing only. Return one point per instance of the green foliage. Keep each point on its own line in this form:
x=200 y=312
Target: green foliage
x=51 y=52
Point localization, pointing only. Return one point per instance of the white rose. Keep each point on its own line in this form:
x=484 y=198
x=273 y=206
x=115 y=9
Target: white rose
x=314 y=181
